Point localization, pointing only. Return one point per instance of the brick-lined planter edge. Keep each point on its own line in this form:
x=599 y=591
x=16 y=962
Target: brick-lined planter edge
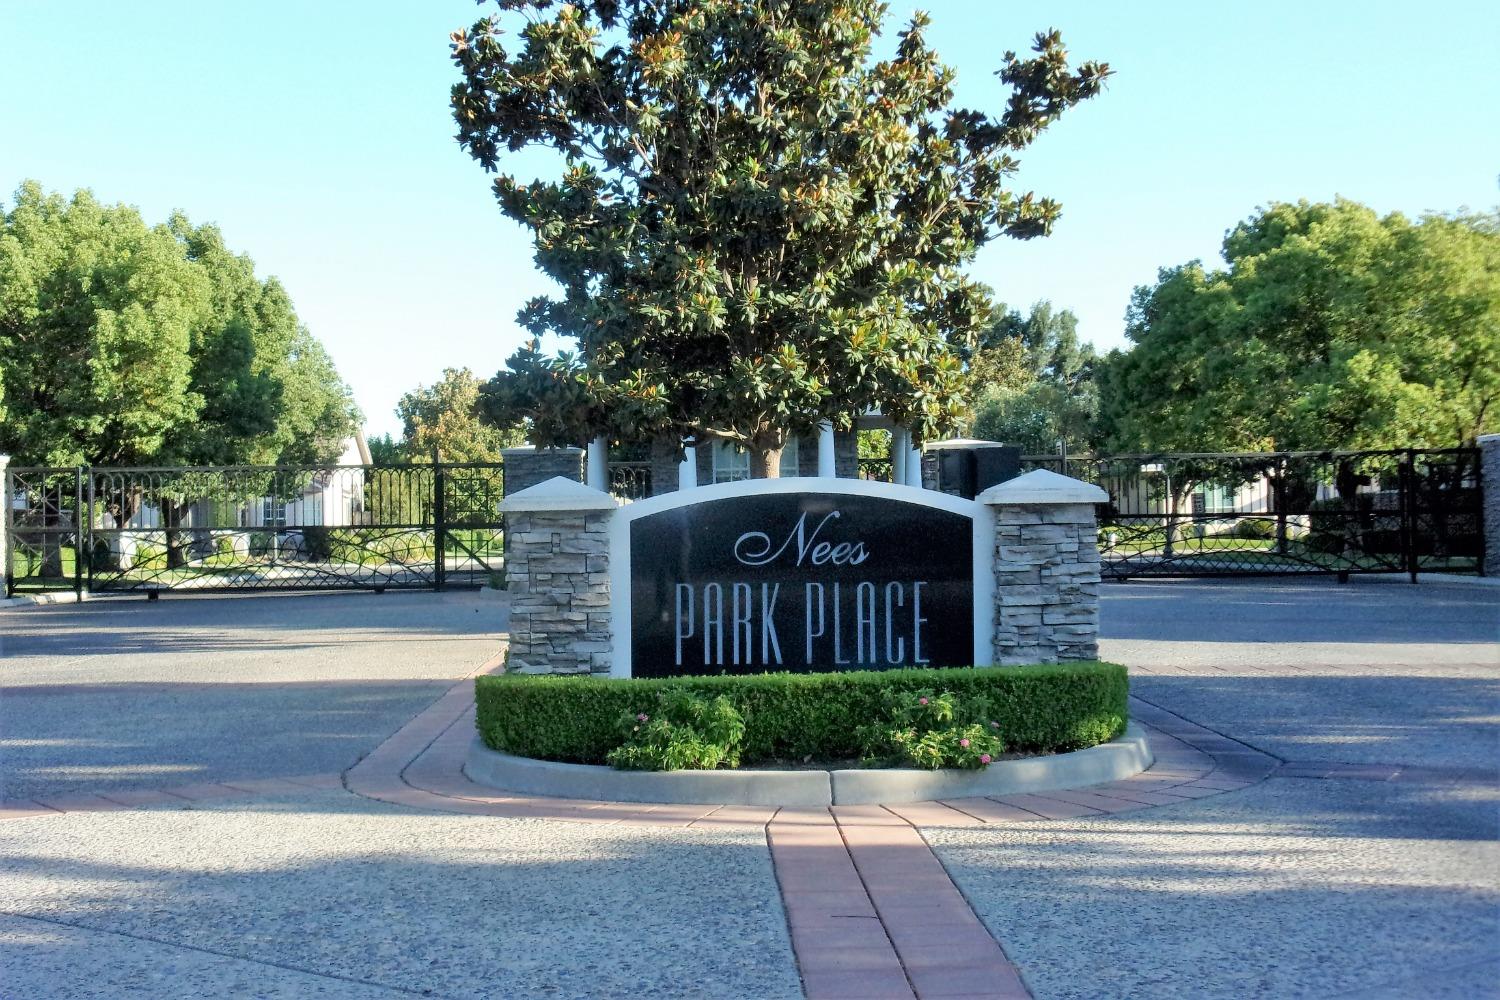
x=1120 y=758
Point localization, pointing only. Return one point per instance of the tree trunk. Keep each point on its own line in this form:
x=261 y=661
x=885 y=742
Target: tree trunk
x=177 y=539
x=765 y=463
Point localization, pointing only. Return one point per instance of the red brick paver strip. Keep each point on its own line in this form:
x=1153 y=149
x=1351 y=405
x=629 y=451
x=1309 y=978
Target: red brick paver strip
x=80 y=802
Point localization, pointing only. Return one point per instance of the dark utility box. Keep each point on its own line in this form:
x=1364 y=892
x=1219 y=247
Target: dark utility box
x=966 y=468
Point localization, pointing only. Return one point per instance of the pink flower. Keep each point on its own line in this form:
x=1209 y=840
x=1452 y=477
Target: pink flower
x=642 y=717
x=921 y=701
x=963 y=743
x=984 y=758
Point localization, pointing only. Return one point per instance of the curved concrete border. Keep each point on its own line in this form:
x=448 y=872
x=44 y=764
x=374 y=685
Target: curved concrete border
x=1120 y=758
x=594 y=781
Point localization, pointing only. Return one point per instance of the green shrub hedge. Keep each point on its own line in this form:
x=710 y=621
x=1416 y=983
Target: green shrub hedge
x=1041 y=709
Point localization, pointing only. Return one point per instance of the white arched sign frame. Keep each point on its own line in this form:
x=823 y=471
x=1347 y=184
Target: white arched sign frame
x=980 y=516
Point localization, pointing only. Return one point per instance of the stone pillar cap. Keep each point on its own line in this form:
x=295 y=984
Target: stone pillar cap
x=559 y=493
x=1043 y=486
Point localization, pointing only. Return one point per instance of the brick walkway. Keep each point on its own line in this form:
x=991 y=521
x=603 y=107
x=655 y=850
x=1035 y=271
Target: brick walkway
x=871 y=910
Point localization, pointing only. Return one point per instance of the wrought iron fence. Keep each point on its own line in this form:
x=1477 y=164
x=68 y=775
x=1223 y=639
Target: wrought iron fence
x=876 y=469
x=1405 y=511
x=254 y=528
x=630 y=480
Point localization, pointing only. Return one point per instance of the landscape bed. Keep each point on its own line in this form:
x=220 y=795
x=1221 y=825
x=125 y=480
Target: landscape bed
x=1040 y=709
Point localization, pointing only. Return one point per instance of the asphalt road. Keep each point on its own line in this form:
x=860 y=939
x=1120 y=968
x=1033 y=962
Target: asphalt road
x=1366 y=672
x=126 y=693
x=1296 y=887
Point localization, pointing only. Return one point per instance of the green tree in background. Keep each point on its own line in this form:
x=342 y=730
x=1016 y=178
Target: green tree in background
x=756 y=226
x=1331 y=328
x=97 y=317
x=387 y=449
x=128 y=344
x=444 y=419
x=1033 y=381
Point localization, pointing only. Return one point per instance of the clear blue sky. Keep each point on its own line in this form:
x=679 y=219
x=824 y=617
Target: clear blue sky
x=317 y=136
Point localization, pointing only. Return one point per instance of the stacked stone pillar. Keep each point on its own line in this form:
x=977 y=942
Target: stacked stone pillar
x=526 y=466
x=1489 y=462
x=1046 y=568
x=557 y=574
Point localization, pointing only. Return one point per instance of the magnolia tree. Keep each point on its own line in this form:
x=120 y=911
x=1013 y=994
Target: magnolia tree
x=756 y=226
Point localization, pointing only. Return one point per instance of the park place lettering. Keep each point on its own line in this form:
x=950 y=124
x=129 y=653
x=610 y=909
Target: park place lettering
x=846 y=622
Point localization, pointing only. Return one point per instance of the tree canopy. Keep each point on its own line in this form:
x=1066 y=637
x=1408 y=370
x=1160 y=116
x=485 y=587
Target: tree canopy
x=1033 y=381
x=755 y=225
x=128 y=344
x=444 y=419
x=1331 y=327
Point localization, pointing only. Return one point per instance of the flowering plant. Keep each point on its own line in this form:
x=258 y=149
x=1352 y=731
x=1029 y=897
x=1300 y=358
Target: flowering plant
x=932 y=730
x=683 y=731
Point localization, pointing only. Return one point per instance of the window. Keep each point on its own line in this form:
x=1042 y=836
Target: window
x=272 y=513
x=732 y=462
x=1216 y=499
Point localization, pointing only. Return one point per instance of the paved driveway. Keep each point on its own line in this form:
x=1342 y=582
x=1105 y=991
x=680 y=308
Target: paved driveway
x=1366 y=672
x=125 y=693
x=1296 y=887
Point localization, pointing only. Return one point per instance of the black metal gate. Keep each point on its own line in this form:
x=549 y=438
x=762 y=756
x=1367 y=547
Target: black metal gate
x=253 y=528
x=1273 y=513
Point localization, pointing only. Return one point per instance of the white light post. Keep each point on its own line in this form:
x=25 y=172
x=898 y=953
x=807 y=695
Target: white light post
x=827 y=468
x=598 y=464
x=687 y=469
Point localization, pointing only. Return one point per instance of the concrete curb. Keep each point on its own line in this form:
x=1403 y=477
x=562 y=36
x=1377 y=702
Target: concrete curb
x=28 y=600
x=593 y=781
x=1121 y=758
x=1462 y=580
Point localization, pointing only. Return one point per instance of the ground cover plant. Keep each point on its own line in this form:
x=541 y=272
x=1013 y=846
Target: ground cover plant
x=796 y=718
x=932 y=729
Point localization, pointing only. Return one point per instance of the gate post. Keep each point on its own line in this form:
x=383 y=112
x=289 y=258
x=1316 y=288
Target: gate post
x=81 y=523
x=557 y=573
x=439 y=526
x=5 y=563
x=1489 y=481
x=1046 y=567
x=527 y=466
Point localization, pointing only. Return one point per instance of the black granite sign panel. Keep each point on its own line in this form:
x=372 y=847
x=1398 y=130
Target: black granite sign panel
x=800 y=582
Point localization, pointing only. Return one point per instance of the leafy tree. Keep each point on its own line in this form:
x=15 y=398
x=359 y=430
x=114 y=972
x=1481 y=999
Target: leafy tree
x=270 y=392
x=98 y=313
x=1036 y=418
x=756 y=226
x=1331 y=328
x=443 y=419
x=1034 y=381
x=386 y=449
x=128 y=344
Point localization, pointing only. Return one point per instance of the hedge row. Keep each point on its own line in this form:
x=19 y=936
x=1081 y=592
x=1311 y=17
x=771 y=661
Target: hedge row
x=1044 y=708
